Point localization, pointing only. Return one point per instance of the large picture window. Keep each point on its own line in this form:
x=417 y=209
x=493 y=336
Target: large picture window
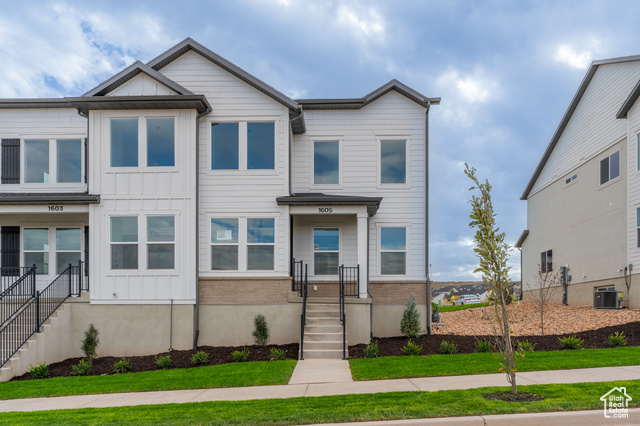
x=326 y=251
x=160 y=142
x=393 y=162
x=36 y=161
x=124 y=242
x=69 y=161
x=124 y=142
x=260 y=244
x=68 y=247
x=256 y=142
x=36 y=249
x=224 y=244
x=393 y=251
x=610 y=168
x=161 y=242
x=326 y=162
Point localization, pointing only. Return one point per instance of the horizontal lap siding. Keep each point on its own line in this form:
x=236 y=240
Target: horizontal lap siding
x=141 y=85
x=633 y=119
x=593 y=126
x=229 y=194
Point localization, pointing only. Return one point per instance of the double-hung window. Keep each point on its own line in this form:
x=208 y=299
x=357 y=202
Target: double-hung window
x=393 y=251
x=36 y=249
x=124 y=242
x=546 y=261
x=326 y=251
x=610 y=168
x=393 y=162
x=68 y=247
x=161 y=242
x=243 y=146
x=326 y=162
x=260 y=244
x=224 y=244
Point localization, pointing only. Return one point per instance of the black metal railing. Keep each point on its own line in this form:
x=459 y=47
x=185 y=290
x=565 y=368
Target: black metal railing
x=38 y=309
x=18 y=293
x=370 y=316
x=303 y=315
x=297 y=275
x=350 y=278
x=343 y=313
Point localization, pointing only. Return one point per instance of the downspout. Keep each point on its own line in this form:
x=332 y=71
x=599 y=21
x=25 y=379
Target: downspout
x=426 y=215
x=196 y=328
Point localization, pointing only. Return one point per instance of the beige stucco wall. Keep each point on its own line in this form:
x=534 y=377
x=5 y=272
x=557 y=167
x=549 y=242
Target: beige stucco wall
x=584 y=223
x=581 y=294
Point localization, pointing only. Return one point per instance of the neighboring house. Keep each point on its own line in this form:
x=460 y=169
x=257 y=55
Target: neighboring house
x=583 y=200
x=188 y=187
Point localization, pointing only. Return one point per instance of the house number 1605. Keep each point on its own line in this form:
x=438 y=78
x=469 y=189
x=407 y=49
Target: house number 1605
x=56 y=208
x=325 y=209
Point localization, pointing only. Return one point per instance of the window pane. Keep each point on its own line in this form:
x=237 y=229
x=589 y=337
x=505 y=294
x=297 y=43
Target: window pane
x=124 y=143
x=224 y=258
x=124 y=256
x=260 y=146
x=614 y=165
x=160 y=142
x=224 y=230
x=326 y=239
x=41 y=260
x=224 y=146
x=124 y=229
x=260 y=258
x=393 y=239
x=161 y=228
x=549 y=260
x=36 y=239
x=326 y=162
x=543 y=262
x=68 y=239
x=66 y=258
x=638 y=217
x=36 y=159
x=69 y=161
x=260 y=231
x=393 y=162
x=604 y=171
x=393 y=263
x=160 y=256
x=325 y=264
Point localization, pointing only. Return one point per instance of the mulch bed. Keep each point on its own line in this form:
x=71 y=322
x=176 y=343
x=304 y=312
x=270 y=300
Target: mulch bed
x=179 y=359
x=593 y=339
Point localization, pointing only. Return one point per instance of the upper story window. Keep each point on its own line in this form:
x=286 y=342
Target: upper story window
x=160 y=142
x=638 y=227
x=124 y=142
x=36 y=161
x=393 y=251
x=153 y=142
x=243 y=146
x=393 y=162
x=326 y=162
x=69 y=161
x=47 y=161
x=546 y=261
x=610 y=168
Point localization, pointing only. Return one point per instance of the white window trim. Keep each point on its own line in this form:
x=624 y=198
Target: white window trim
x=379 y=226
x=546 y=251
x=312 y=262
x=242 y=146
x=53 y=164
x=407 y=141
x=55 y=244
x=312 y=168
x=248 y=244
x=615 y=179
x=137 y=243
x=24 y=252
x=173 y=243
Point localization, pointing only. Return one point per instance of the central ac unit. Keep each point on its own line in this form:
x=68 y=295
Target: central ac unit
x=607 y=299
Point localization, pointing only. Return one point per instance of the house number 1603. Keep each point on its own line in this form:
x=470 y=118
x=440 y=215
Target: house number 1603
x=325 y=209
x=56 y=208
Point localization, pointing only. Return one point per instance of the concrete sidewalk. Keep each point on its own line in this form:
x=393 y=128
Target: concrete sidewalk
x=323 y=378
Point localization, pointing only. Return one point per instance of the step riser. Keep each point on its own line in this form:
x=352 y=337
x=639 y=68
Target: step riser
x=322 y=345
x=324 y=321
x=323 y=329
x=309 y=354
x=325 y=314
x=322 y=337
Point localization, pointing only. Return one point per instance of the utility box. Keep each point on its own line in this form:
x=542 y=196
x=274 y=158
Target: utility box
x=607 y=299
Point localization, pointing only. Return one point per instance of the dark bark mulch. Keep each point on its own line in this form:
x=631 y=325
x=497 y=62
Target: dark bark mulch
x=514 y=397
x=179 y=359
x=593 y=339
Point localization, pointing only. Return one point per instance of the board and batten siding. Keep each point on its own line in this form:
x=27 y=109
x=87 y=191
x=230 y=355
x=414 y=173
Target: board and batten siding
x=391 y=117
x=45 y=123
x=143 y=191
x=141 y=85
x=236 y=193
x=593 y=126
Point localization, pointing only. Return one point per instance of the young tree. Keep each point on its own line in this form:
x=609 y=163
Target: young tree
x=546 y=285
x=410 y=323
x=493 y=253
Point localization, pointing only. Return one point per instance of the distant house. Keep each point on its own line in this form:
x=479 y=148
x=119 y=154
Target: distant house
x=583 y=200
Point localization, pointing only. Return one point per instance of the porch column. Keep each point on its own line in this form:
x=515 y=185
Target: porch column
x=363 y=249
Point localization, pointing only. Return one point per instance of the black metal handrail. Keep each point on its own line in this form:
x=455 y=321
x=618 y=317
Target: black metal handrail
x=303 y=315
x=343 y=314
x=370 y=316
x=297 y=276
x=18 y=330
x=350 y=277
x=16 y=295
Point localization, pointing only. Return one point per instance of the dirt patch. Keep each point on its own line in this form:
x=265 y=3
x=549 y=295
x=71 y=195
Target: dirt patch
x=180 y=359
x=514 y=397
x=593 y=339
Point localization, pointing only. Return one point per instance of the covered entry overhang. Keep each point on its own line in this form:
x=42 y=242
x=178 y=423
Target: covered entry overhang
x=322 y=205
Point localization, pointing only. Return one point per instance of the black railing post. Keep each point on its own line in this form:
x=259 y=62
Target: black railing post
x=37 y=312
x=70 y=282
x=33 y=279
x=80 y=273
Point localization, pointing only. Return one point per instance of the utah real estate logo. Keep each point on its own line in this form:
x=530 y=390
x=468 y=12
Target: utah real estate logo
x=616 y=403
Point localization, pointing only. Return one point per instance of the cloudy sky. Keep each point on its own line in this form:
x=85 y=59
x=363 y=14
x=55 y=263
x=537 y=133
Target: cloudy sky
x=506 y=72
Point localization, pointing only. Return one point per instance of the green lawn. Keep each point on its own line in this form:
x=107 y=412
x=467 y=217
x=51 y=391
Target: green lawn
x=481 y=363
x=452 y=308
x=343 y=408
x=217 y=376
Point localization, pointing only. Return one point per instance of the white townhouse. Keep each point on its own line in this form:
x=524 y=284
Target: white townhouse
x=583 y=200
x=194 y=196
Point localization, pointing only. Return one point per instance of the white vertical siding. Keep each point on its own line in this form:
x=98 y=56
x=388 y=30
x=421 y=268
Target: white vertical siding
x=633 y=125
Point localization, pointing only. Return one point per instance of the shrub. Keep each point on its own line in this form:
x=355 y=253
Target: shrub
x=482 y=346
x=164 y=361
x=40 y=371
x=91 y=342
x=617 y=339
x=526 y=346
x=260 y=330
x=412 y=349
x=240 y=356
x=276 y=354
x=82 y=369
x=448 y=347
x=410 y=323
x=571 y=342
x=371 y=350
x=122 y=366
x=200 y=358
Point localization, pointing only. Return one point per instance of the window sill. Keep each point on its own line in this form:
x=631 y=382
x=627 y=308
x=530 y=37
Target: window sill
x=609 y=183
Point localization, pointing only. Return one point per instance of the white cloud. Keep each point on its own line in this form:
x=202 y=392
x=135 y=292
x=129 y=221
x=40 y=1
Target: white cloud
x=366 y=25
x=569 y=56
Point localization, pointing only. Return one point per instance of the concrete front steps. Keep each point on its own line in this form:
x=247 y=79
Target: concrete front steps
x=323 y=332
